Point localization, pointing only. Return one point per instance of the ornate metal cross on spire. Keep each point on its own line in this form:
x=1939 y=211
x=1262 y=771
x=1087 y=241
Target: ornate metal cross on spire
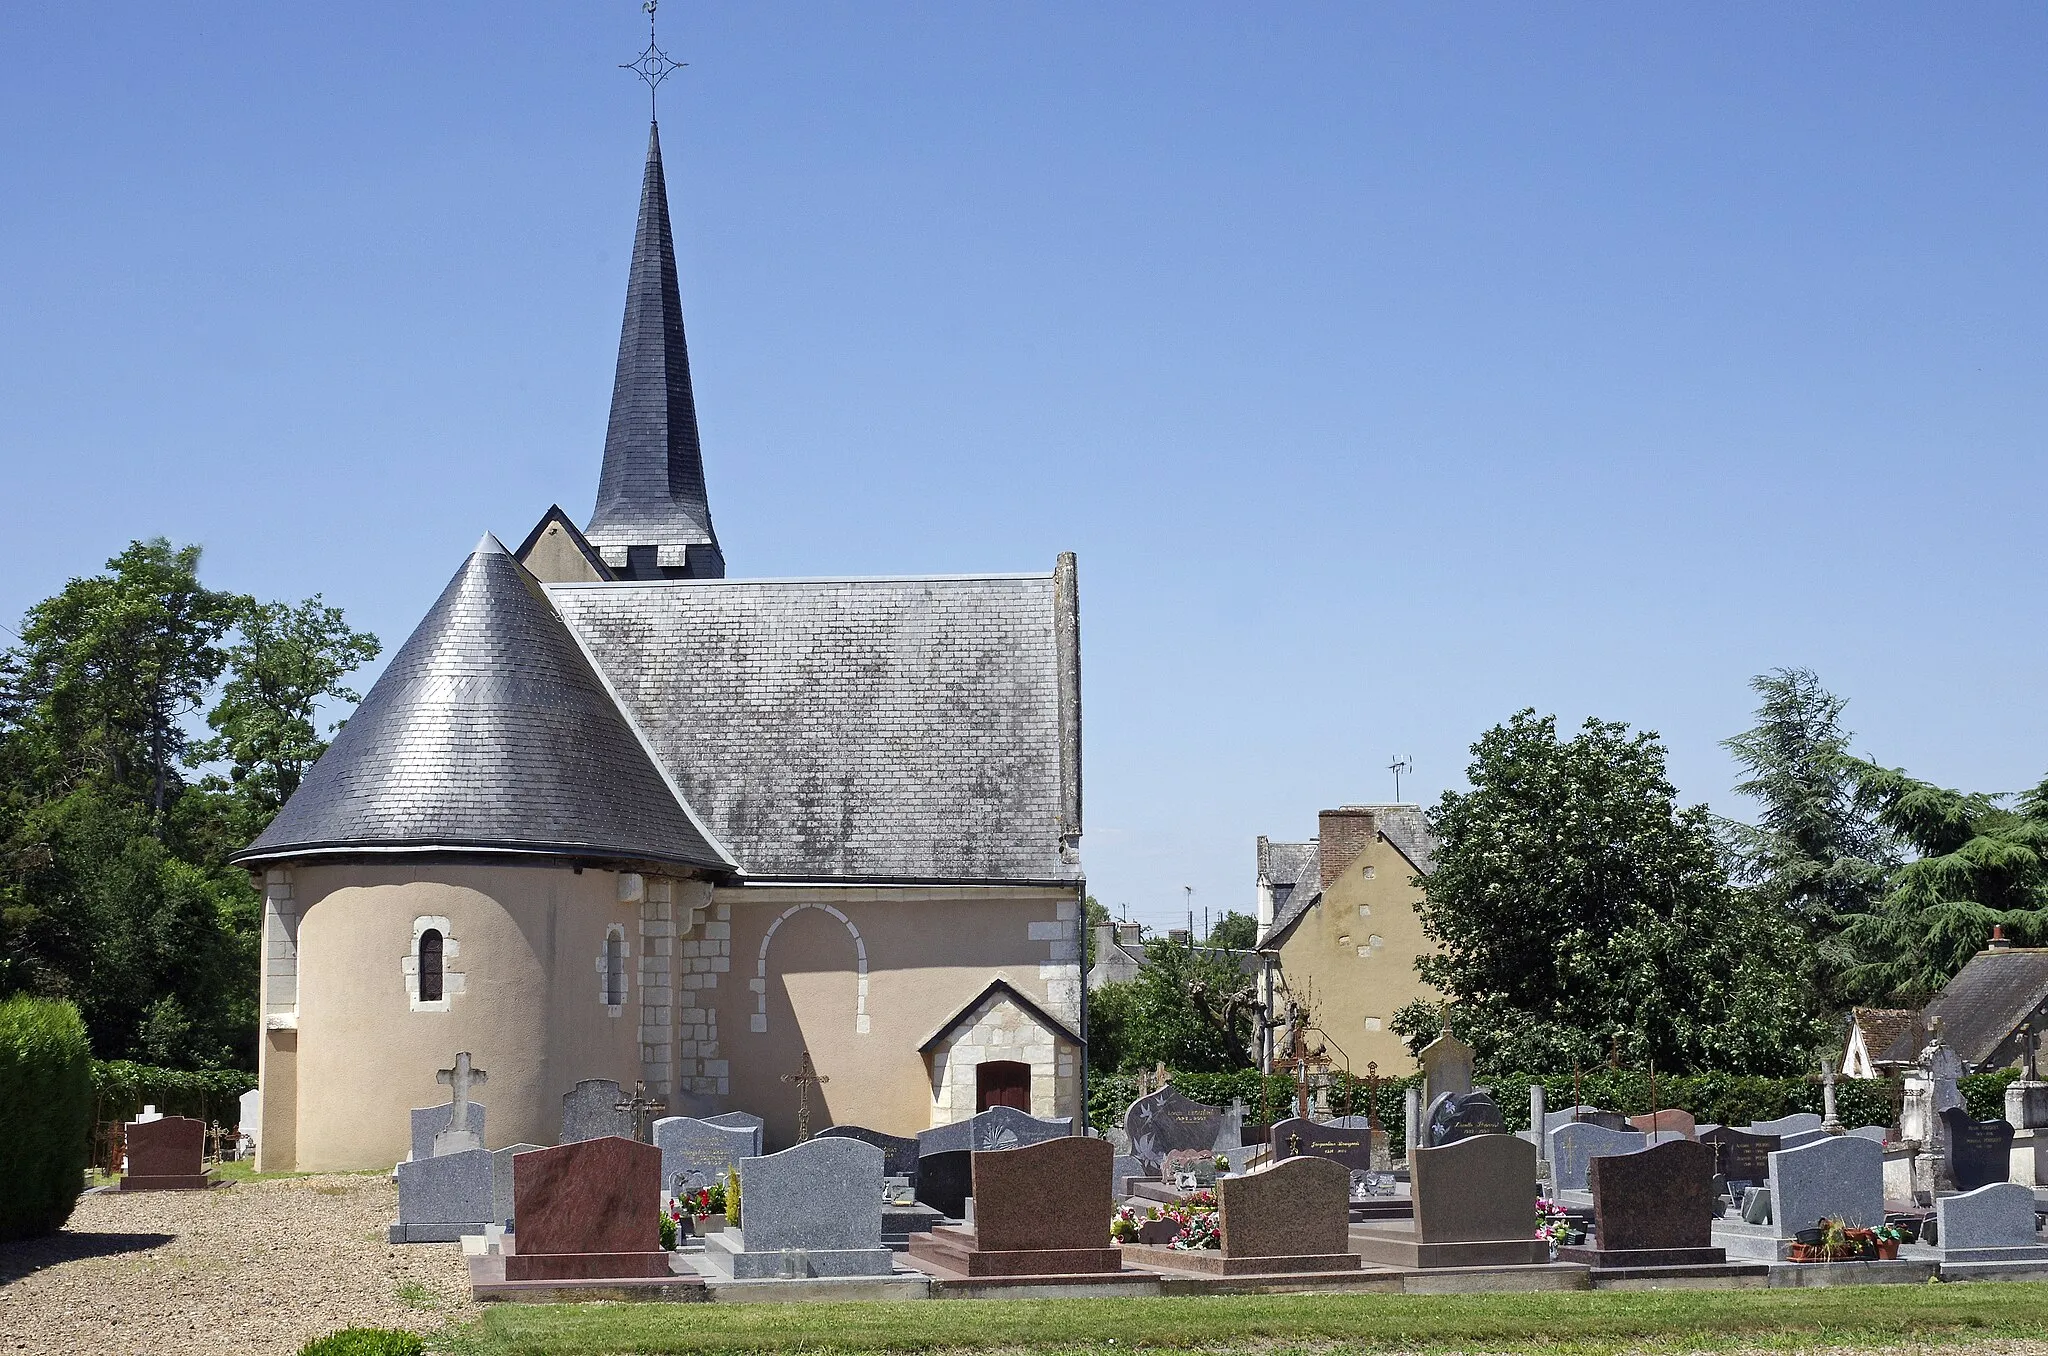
x=804 y=1078
x=654 y=65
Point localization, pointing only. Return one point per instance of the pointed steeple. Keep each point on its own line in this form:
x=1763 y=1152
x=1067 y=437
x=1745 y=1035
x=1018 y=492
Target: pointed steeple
x=650 y=494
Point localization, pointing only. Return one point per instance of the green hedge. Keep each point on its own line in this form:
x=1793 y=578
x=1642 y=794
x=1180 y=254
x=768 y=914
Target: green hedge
x=123 y=1089
x=45 y=1114
x=365 y=1342
x=1724 y=1099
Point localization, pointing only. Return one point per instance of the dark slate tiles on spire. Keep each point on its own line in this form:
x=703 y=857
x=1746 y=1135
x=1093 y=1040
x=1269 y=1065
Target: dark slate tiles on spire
x=489 y=731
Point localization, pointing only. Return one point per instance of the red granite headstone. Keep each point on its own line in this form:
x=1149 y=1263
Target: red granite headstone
x=587 y=1211
x=1042 y=1210
x=168 y=1154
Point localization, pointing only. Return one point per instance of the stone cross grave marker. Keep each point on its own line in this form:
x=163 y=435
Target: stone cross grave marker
x=459 y=1080
x=1573 y=1148
x=1979 y=1152
x=1835 y=1177
x=591 y=1111
x=805 y=1078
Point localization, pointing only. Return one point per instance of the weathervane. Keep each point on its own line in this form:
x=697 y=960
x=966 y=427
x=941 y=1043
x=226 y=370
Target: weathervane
x=654 y=65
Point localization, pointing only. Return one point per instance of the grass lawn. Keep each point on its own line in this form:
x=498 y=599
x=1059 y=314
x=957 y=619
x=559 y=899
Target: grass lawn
x=1593 y=1322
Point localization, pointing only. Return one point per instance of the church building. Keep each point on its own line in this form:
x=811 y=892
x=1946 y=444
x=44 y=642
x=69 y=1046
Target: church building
x=609 y=813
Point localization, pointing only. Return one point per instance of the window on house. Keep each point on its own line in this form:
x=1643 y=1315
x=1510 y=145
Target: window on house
x=614 y=969
x=430 y=965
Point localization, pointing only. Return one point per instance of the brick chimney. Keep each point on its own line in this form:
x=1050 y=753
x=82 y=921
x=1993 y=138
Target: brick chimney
x=1343 y=833
x=1999 y=941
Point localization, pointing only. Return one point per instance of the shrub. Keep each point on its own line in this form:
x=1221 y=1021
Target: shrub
x=365 y=1342
x=45 y=1114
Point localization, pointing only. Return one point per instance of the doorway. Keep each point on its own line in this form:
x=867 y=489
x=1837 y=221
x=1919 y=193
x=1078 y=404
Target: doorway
x=1002 y=1082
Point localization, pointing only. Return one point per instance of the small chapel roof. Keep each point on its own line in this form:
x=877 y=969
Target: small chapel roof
x=489 y=731
x=1983 y=1009
x=896 y=729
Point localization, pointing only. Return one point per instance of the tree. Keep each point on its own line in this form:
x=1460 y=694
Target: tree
x=285 y=662
x=1816 y=851
x=1093 y=915
x=1980 y=863
x=1189 y=1009
x=1579 y=910
x=1235 y=931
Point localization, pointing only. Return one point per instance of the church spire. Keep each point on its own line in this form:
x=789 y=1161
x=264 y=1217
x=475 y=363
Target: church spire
x=653 y=519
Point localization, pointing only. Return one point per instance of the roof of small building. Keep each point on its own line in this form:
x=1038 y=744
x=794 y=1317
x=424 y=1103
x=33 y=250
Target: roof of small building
x=1009 y=991
x=886 y=729
x=1990 y=998
x=489 y=731
x=1882 y=1028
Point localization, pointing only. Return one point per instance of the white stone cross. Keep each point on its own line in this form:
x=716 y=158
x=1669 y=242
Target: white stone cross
x=459 y=1081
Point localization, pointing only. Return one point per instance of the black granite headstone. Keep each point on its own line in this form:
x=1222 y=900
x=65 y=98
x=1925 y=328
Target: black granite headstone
x=899 y=1153
x=1979 y=1152
x=1462 y=1115
x=945 y=1180
x=1297 y=1138
x=1740 y=1156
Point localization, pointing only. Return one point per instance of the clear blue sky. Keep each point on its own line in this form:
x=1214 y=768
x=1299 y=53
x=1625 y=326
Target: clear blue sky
x=1389 y=367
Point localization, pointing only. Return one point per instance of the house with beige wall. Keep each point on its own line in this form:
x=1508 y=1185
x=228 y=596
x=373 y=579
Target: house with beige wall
x=609 y=813
x=1340 y=933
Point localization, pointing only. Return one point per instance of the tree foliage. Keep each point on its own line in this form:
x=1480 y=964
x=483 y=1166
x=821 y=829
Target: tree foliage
x=115 y=889
x=1235 y=931
x=1189 y=1008
x=1580 y=913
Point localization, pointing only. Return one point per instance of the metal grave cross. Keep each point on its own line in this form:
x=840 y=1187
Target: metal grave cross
x=459 y=1081
x=643 y=1109
x=805 y=1078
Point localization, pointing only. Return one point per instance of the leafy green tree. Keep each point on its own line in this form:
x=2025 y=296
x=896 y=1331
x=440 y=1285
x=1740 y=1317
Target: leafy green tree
x=1579 y=911
x=1093 y=915
x=1189 y=1009
x=1235 y=932
x=285 y=662
x=1980 y=863
x=1816 y=851
x=1109 y=1023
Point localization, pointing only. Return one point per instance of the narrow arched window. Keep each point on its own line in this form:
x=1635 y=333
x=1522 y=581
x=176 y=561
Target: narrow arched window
x=430 y=966
x=614 y=969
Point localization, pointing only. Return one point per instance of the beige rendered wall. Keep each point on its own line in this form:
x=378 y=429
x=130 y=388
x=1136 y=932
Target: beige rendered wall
x=529 y=1009
x=554 y=559
x=861 y=978
x=1354 y=956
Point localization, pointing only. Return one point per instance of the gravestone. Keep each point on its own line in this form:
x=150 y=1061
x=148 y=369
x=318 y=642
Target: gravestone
x=501 y=1181
x=1042 y=1210
x=1461 y=1115
x=1574 y=1147
x=464 y=1131
x=1163 y=1121
x=741 y=1120
x=1653 y=1208
x=1800 y=1138
x=1122 y=1171
x=250 y=1122
x=1990 y=1224
x=1475 y=1205
x=1291 y=1219
x=1669 y=1121
x=591 y=1111
x=1979 y=1152
x=443 y=1197
x=946 y=1179
x=1877 y=1134
x=999 y=1127
x=1740 y=1156
x=587 y=1210
x=1297 y=1138
x=811 y=1210
x=1836 y=1177
x=899 y=1152
x=431 y=1122
x=1756 y=1205
x=1800 y=1122
x=1199 y=1164
x=696 y=1153
x=166 y=1154
x=1446 y=1067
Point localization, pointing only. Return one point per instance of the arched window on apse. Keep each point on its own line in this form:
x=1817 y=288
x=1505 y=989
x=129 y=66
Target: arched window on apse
x=430 y=967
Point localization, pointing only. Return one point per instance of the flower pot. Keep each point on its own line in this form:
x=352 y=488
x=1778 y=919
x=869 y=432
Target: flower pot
x=1888 y=1249
x=1810 y=1237
x=710 y=1224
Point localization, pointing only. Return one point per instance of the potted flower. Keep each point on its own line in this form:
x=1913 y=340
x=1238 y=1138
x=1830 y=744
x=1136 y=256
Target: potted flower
x=1553 y=1224
x=1889 y=1236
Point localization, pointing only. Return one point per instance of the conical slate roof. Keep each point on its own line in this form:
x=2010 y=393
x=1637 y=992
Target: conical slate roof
x=489 y=731
x=651 y=490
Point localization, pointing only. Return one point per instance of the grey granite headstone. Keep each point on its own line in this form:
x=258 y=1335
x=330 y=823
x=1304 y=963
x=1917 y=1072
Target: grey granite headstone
x=429 y=1121
x=1756 y=1205
x=1799 y=1122
x=999 y=1127
x=742 y=1120
x=591 y=1112
x=501 y=1180
x=1799 y=1139
x=1574 y=1147
x=1991 y=1224
x=1875 y=1133
x=811 y=1210
x=1836 y=1177
x=1122 y=1171
x=443 y=1198
x=697 y=1153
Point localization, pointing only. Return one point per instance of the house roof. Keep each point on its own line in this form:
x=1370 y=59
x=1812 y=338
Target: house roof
x=489 y=731
x=1008 y=990
x=651 y=490
x=1990 y=998
x=882 y=729
x=1294 y=870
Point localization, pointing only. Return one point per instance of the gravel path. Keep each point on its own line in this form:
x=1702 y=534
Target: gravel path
x=255 y=1268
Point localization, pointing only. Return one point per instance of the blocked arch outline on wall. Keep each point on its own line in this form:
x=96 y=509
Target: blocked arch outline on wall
x=759 y=1021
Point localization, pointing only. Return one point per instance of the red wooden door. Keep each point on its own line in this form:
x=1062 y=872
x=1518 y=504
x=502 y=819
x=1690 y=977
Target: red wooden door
x=1002 y=1082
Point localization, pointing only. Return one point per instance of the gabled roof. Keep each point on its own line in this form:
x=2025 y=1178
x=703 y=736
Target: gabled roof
x=651 y=490
x=872 y=729
x=1009 y=991
x=561 y=522
x=1982 y=1008
x=1293 y=871
x=1882 y=1028
x=489 y=731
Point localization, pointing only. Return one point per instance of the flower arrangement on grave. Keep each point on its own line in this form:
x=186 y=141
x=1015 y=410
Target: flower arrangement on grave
x=1830 y=1240
x=1123 y=1225
x=706 y=1201
x=1198 y=1220
x=670 y=1225
x=1553 y=1222
x=732 y=1197
x=1222 y=1163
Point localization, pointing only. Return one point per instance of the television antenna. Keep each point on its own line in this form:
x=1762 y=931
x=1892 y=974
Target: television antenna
x=1402 y=763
